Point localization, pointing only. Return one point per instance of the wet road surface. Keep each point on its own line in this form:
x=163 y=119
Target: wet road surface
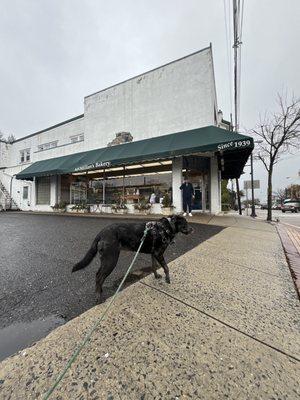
x=38 y=291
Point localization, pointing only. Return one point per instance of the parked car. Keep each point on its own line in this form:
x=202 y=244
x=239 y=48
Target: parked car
x=276 y=207
x=264 y=206
x=291 y=205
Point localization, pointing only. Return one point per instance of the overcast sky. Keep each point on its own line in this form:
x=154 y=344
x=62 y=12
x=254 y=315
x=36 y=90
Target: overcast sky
x=53 y=53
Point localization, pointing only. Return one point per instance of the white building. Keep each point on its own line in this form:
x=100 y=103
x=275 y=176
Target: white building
x=170 y=122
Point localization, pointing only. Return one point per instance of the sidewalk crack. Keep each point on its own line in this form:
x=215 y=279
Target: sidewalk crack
x=223 y=322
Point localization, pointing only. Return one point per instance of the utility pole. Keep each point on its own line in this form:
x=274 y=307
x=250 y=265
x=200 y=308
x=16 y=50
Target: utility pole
x=253 y=213
x=236 y=97
x=236 y=44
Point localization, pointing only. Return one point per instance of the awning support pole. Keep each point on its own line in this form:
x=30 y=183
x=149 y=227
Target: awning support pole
x=124 y=184
x=86 y=187
x=238 y=195
x=103 y=188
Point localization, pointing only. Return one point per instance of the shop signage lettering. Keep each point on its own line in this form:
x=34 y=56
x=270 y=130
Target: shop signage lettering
x=233 y=145
x=101 y=164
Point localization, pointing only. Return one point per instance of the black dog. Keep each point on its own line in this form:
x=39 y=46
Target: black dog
x=128 y=236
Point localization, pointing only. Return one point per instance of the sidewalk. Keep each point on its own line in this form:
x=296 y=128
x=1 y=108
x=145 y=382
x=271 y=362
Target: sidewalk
x=227 y=327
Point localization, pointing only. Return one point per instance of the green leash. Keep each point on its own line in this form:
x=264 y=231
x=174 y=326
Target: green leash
x=89 y=334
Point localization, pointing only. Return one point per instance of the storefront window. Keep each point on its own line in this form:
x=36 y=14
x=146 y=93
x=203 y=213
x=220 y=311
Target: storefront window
x=78 y=192
x=129 y=187
x=95 y=191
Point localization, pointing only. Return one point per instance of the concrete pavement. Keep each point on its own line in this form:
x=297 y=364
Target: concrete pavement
x=227 y=327
x=38 y=291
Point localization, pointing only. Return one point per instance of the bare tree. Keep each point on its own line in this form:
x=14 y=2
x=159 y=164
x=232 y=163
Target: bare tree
x=10 y=138
x=278 y=133
x=280 y=194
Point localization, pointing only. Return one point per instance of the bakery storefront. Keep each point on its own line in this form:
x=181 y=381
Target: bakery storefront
x=139 y=175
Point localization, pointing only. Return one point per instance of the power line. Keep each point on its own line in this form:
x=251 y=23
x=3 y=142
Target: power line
x=235 y=44
x=228 y=50
x=237 y=26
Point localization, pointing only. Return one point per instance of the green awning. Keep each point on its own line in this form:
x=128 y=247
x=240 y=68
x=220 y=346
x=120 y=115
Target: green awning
x=232 y=148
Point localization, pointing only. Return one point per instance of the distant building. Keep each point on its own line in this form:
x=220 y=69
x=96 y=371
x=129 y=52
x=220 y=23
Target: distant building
x=134 y=138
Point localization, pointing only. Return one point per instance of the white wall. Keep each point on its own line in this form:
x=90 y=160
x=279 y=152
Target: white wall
x=175 y=97
x=4 y=153
x=11 y=158
x=6 y=177
x=215 y=186
x=176 y=183
x=61 y=133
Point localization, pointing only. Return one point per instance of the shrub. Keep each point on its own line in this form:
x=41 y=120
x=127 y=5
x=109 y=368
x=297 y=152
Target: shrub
x=167 y=201
x=60 y=206
x=80 y=206
x=119 y=203
x=142 y=204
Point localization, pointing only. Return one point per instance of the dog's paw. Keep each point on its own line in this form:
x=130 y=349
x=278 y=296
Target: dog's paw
x=158 y=276
x=168 y=279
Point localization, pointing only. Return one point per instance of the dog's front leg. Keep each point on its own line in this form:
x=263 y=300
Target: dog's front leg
x=162 y=262
x=154 y=267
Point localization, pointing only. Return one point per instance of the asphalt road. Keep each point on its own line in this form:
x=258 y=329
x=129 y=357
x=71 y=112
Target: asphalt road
x=37 y=289
x=287 y=217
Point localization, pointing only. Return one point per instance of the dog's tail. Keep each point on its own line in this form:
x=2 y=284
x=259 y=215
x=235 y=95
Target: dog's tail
x=88 y=257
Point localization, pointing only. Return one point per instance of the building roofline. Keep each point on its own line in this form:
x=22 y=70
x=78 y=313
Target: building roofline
x=151 y=70
x=50 y=127
x=109 y=87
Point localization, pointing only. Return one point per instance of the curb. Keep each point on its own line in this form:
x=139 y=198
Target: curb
x=148 y=217
x=292 y=255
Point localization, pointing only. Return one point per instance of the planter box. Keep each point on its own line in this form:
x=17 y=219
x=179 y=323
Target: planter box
x=106 y=209
x=59 y=210
x=121 y=211
x=142 y=212
x=78 y=211
x=95 y=208
x=167 y=210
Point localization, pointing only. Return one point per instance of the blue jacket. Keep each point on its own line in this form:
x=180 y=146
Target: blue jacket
x=187 y=190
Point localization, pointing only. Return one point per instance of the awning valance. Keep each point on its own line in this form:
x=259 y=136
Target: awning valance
x=233 y=150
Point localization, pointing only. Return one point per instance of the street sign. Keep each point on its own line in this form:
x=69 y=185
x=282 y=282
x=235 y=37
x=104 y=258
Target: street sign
x=256 y=184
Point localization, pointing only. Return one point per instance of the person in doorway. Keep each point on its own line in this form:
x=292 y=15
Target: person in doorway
x=187 y=196
x=152 y=199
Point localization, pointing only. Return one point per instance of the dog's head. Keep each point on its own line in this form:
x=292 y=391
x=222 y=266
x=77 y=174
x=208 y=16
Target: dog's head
x=181 y=224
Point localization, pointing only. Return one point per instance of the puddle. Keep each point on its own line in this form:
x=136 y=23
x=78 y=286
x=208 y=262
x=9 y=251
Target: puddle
x=17 y=336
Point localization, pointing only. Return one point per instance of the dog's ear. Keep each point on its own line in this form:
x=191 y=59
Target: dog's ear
x=175 y=219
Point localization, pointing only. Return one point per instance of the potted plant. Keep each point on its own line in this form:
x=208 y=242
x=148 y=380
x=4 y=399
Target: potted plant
x=80 y=208
x=142 y=206
x=120 y=208
x=167 y=207
x=59 y=207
